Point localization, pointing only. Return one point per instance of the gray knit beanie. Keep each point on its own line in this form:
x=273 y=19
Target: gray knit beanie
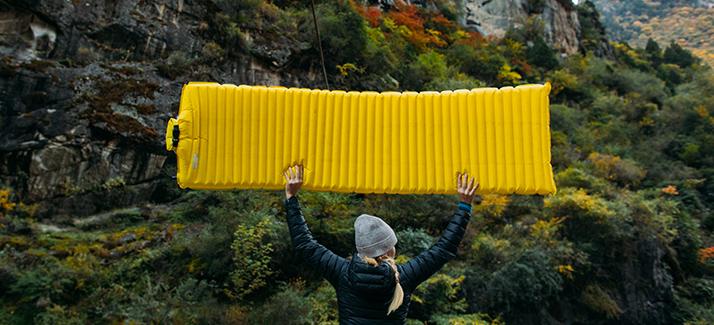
x=373 y=237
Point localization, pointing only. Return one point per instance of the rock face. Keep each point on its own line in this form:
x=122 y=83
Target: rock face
x=78 y=136
x=129 y=30
x=494 y=17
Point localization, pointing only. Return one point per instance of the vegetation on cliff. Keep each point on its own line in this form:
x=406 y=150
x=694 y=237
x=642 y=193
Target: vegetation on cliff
x=687 y=23
x=627 y=239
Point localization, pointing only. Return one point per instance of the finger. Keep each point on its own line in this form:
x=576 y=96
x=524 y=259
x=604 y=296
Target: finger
x=285 y=173
x=473 y=190
x=291 y=173
x=464 y=180
x=471 y=182
x=458 y=181
x=299 y=172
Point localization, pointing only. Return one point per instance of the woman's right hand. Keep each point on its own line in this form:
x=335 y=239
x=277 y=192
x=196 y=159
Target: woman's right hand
x=294 y=180
x=466 y=192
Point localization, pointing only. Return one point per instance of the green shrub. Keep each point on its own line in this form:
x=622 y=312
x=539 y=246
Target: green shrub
x=460 y=81
x=599 y=301
x=694 y=302
x=613 y=168
x=470 y=319
x=588 y=218
x=251 y=259
x=566 y=119
x=565 y=85
x=46 y=282
x=413 y=242
x=482 y=63
x=343 y=33
x=58 y=315
x=245 y=10
x=151 y=301
x=213 y=53
x=490 y=250
x=331 y=217
x=222 y=212
x=607 y=108
x=525 y=283
x=580 y=179
x=324 y=305
x=430 y=212
x=437 y=295
x=427 y=67
x=289 y=306
x=541 y=55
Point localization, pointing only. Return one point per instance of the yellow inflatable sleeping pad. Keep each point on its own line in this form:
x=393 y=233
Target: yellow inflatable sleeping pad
x=229 y=136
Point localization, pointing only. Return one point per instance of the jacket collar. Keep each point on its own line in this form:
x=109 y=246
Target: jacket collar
x=370 y=279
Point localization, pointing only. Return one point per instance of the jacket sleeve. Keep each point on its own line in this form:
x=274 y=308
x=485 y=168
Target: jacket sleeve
x=327 y=263
x=420 y=268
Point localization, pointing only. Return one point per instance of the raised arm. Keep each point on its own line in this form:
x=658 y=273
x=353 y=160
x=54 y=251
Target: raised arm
x=420 y=268
x=327 y=263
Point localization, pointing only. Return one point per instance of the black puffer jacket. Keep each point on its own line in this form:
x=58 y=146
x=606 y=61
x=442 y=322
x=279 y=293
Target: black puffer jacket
x=364 y=291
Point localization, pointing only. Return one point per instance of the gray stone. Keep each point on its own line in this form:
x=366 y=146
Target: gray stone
x=494 y=18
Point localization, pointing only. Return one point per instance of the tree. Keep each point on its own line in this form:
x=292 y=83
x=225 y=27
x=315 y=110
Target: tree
x=541 y=55
x=675 y=54
x=653 y=52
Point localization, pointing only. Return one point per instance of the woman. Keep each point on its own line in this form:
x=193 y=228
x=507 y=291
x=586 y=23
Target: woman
x=371 y=288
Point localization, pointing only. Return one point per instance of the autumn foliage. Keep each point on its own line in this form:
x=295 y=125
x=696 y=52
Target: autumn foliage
x=706 y=253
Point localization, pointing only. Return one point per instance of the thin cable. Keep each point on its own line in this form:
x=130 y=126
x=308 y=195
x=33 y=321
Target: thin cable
x=319 y=42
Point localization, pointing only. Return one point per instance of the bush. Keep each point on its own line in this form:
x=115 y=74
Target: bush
x=289 y=306
x=58 y=315
x=222 y=213
x=213 y=53
x=427 y=67
x=429 y=212
x=566 y=119
x=525 y=283
x=540 y=55
x=437 y=295
x=599 y=301
x=155 y=302
x=331 y=217
x=482 y=63
x=470 y=319
x=343 y=32
x=413 y=242
x=694 y=302
x=251 y=260
x=588 y=218
x=460 y=81
x=580 y=179
x=613 y=168
x=324 y=305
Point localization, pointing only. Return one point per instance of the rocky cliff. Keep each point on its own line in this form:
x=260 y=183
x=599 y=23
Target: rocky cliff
x=493 y=18
x=81 y=127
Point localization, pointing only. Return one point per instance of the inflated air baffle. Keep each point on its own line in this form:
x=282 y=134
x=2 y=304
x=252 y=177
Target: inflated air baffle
x=229 y=136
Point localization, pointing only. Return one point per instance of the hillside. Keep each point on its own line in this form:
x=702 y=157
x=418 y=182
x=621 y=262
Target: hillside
x=688 y=23
x=93 y=229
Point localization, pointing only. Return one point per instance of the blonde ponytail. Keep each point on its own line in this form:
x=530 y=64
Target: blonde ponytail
x=398 y=297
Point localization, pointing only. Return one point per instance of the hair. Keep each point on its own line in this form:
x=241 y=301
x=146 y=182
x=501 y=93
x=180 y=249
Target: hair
x=398 y=297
